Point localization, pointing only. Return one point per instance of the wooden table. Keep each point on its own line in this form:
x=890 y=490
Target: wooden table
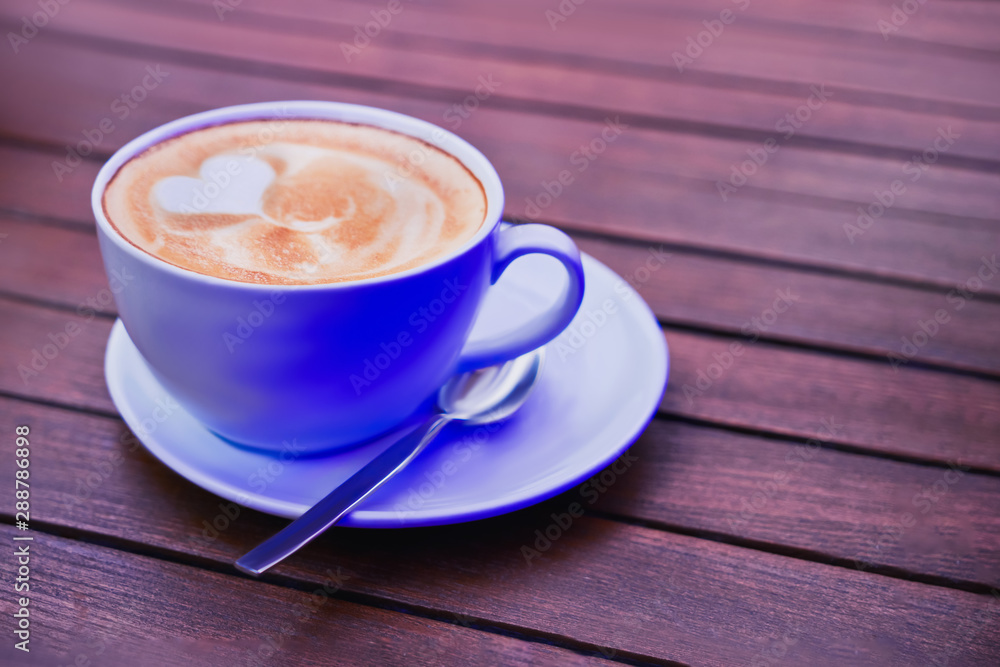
x=825 y=179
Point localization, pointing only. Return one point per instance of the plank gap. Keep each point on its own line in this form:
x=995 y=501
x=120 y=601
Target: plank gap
x=825 y=443
x=811 y=266
x=834 y=351
x=799 y=553
x=617 y=66
x=17 y=297
x=503 y=102
x=365 y=599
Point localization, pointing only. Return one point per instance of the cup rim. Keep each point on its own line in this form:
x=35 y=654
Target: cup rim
x=450 y=143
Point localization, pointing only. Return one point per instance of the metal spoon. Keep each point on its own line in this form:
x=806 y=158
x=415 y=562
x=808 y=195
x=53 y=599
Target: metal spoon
x=478 y=397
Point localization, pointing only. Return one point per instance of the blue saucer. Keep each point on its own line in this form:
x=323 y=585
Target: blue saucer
x=602 y=381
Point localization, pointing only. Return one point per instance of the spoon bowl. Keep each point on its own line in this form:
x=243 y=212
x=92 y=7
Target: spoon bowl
x=490 y=394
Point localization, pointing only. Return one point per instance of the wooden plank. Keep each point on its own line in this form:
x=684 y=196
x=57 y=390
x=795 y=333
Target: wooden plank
x=665 y=94
x=42 y=360
x=28 y=186
x=901 y=410
x=845 y=508
x=61 y=265
x=866 y=511
x=601 y=583
x=800 y=171
x=629 y=190
x=970 y=25
x=86 y=608
x=757 y=49
x=909 y=412
x=456 y=572
x=836 y=312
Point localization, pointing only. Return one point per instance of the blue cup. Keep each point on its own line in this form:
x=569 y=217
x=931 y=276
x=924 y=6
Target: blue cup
x=331 y=365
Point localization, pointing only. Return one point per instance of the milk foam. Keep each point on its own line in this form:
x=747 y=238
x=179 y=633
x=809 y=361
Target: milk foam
x=316 y=202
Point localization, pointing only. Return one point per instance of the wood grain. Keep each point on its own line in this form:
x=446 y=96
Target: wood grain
x=843 y=507
x=796 y=208
x=43 y=361
x=866 y=512
x=96 y=605
x=55 y=264
x=842 y=313
x=902 y=410
x=966 y=24
x=663 y=99
x=757 y=50
x=909 y=411
x=732 y=538
x=685 y=288
x=627 y=588
x=28 y=186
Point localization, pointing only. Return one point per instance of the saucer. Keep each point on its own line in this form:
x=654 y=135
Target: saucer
x=602 y=381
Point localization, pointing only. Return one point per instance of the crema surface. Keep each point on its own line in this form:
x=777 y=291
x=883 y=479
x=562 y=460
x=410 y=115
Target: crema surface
x=295 y=202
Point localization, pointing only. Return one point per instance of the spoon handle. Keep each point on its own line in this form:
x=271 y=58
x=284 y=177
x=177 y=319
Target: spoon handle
x=341 y=500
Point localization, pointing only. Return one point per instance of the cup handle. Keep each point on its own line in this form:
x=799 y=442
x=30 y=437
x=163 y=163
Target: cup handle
x=511 y=243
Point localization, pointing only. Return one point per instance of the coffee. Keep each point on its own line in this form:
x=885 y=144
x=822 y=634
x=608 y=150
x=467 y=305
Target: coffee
x=295 y=202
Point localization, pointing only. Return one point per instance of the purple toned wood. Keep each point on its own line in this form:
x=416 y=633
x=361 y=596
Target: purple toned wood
x=904 y=410
x=847 y=508
x=797 y=208
x=629 y=589
x=127 y=609
x=730 y=539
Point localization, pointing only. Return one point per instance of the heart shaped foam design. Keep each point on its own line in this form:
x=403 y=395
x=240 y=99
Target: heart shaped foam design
x=231 y=184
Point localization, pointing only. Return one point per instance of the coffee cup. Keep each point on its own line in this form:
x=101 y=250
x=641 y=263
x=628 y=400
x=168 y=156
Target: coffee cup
x=331 y=356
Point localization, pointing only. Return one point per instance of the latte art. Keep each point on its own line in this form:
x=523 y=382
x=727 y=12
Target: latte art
x=295 y=202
